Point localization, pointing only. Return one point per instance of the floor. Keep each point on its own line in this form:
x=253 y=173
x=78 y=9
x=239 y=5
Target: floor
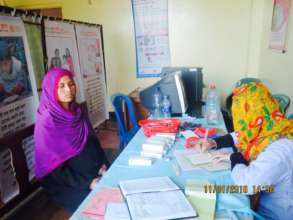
x=40 y=208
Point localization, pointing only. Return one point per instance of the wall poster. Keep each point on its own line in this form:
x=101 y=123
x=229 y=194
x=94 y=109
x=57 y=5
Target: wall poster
x=90 y=51
x=151 y=36
x=28 y=146
x=279 y=25
x=34 y=37
x=9 y=187
x=18 y=92
x=62 y=51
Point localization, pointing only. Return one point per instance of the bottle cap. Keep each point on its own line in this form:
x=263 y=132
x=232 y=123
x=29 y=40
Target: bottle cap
x=212 y=86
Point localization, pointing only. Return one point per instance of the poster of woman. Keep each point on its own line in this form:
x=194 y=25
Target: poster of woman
x=62 y=52
x=18 y=92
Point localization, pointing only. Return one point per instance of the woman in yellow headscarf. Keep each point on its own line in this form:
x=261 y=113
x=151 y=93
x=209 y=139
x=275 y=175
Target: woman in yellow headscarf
x=263 y=149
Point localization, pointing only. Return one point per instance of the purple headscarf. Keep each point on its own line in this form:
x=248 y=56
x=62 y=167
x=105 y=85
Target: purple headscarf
x=59 y=134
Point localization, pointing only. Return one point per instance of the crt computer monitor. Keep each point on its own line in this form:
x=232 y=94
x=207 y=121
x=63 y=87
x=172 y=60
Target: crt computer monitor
x=182 y=84
x=171 y=85
x=192 y=79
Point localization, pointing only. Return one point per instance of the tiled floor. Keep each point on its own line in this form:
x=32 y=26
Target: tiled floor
x=40 y=208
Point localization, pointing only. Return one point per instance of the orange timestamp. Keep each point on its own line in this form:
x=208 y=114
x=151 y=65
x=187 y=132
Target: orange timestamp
x=225 y=188
x=263 y=188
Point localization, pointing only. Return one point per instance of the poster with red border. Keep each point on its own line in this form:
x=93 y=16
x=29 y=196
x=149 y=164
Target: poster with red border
x=279 y=25
x=91 y=59
x=62 y=51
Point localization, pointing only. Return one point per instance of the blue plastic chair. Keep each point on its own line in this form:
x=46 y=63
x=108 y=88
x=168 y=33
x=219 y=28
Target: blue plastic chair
x=246 y=80
x=283 y=100
x=125 y=135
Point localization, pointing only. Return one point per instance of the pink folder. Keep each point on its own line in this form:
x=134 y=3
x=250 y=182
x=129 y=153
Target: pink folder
x=96 y=207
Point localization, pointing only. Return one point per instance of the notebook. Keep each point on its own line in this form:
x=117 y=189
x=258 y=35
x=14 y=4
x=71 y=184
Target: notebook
x=155 y=199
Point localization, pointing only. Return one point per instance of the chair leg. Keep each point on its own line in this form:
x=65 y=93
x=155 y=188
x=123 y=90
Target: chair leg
x=121 y=143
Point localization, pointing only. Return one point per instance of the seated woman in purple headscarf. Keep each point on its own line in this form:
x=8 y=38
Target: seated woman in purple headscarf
x=69 y=158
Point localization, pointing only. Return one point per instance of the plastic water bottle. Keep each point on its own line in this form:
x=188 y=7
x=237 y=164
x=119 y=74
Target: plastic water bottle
x=212 y=106
x=157 y=103
x=166 y=107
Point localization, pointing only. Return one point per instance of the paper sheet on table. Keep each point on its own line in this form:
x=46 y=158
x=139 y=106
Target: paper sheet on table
x=186 y=165
x=152 y=184
x=159 y=205
x=117 y=211
x=216 y=166
x=199 y=158
x=199 y=188
x=97 y=205
x=204 y=207
x=200 y=198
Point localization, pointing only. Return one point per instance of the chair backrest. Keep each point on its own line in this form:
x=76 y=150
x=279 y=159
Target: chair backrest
x=226 y=111
x=125 y=135
x=283 y=100
x=246 y=80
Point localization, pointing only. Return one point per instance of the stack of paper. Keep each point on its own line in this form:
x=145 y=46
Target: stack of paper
x=139 y=161
x=154 y=150
x=201 y=198
x=155 y=199
x=156 y=146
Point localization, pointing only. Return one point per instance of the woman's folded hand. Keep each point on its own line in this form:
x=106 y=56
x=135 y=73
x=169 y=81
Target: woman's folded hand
x=102 y=170
x=94 y=182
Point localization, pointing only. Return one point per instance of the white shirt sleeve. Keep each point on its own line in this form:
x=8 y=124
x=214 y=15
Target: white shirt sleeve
x=235 y=138
x=268 y=169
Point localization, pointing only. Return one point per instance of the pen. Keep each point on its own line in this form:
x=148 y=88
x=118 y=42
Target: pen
x=205 y=136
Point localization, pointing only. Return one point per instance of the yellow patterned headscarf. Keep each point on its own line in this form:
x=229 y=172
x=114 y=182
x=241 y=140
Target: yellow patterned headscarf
x=257 y=119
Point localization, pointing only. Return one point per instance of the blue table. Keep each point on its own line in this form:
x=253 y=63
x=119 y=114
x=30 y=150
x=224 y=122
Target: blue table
x=233 y=206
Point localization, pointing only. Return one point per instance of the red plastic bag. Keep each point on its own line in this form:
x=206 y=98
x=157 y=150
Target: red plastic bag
x=152 y=127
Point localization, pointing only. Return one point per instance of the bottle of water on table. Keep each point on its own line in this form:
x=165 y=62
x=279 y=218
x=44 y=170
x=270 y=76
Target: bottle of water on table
x=212 y=106
x=157 y=103
x=166 y=107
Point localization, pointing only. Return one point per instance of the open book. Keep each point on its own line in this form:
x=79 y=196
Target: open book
x=155 y=199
